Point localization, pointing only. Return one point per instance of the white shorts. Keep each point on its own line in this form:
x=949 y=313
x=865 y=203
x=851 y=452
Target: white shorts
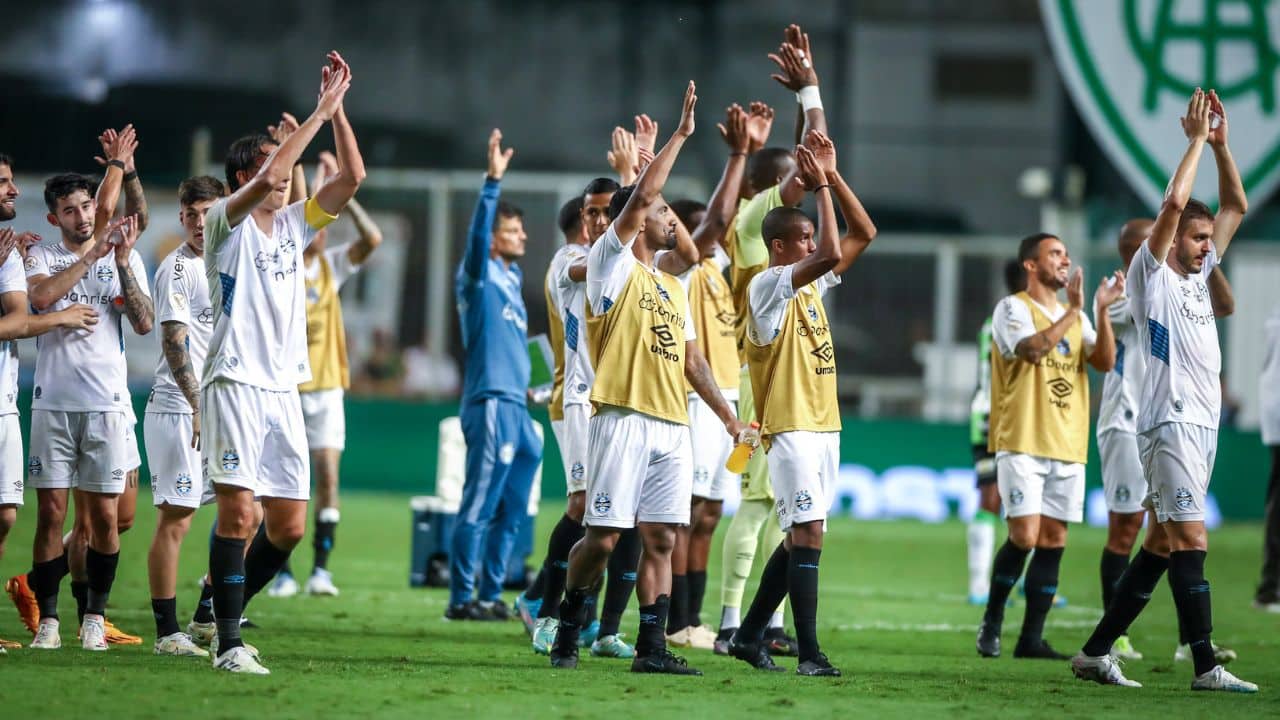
x=637 y=470
x=84 y=450
x=1123 y=481
x=1031 y=485
x=133 y=460
x=711 y=447
x=571 y=436
x=803 y=467
x=1178 y=460
x=10 y=460
x=254 y=438
x=176 y=476
x=325 y=418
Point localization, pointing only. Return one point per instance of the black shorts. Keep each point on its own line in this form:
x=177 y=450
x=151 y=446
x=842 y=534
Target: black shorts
x=984 y=465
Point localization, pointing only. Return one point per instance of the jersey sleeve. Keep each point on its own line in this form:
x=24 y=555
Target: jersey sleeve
x=216 y=227
x=36 y=263
x=767 y=298
x=1088 y=334
x=139 y=272
x=339 y=259
x=172 y=296
x=826 y=282
x=571 y=258
x=12 y=277
x=1011 y=324
x=608 y=267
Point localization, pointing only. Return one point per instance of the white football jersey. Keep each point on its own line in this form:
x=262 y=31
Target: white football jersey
x=258 y=293
x=1118 y=409
x=83 y=370
x=571 y=304
x=181 y=295
x=12 y=279
x=1179 y=334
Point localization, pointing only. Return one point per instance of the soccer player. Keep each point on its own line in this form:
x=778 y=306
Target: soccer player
x=16 y=322
x=793 y=381
x=981 y=535
x=80 y=415
x=253 y=443
x=322 y=410
x=171 y=425
x=503 y=451
x=1040 y=429
x=1267 y=596
x=711 y=312
x=1178 y=420
x=638 y=449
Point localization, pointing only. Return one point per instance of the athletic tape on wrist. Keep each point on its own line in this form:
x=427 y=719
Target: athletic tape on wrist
x=810 y=98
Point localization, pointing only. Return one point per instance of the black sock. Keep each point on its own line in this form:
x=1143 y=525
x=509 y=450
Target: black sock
x=1113 y=566
x=1132 y=594
x=677 y=618
x=226 y=571
x=573 y=608
x=261 y=564
x=1005 y=571
x=769 y=594
x=592 y=605
x=80 y=591
x=45 y=577
x=802 y=586
x=165 y=611
x=652 y=637
x=621 y=581
x=1041 y=587
x=564 y=536
x=1195 y=612
x=286 y=569
x=101 y=569
x=697 y=589
x=204 y=609
x=538 y=587
x=323 y=542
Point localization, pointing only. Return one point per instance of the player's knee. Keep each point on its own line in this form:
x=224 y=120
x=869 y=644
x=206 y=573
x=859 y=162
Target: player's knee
x=288 y=535
x=659 y=540
x=124 y=523
x=712 y=511
x=808 y=535
x=8 y=516
x=1024 y=537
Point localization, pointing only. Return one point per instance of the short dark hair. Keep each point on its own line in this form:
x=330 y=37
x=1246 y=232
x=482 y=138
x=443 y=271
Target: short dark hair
x=600 y=186
x=780 y=221
x=1194 y=210
x=506 y=210
x=242 y=155
x=570 y=217
x=6 y=160
x=1029 y=248
x=1015 y=277
x=766 y=165
x=60 y=186
x=200 y=188
x=685 y=209
x=619 y=200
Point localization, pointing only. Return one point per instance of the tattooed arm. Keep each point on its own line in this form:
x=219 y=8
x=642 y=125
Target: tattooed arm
x=135 y=201
x=174 y=344
x=137 y=303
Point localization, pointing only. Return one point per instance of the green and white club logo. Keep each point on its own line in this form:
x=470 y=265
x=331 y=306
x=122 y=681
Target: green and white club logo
x=1131 y=66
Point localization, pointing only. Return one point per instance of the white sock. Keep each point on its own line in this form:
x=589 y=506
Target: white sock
x=775 y=620
x=982 y=542
x=729 y=617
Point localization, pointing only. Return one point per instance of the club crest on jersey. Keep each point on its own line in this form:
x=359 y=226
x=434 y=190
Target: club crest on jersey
x=183 y=484
x=1064 y=347
x=662 y=293
x=1182 y=499
x=1015 y=497
x=577 y=471
x=230 y=460
x=29 y=263
x=804 y=501
x=813 y=312
x=38 y=392
x=602 y=503
x=104 y=273
x=34 y=466
x=313 y=294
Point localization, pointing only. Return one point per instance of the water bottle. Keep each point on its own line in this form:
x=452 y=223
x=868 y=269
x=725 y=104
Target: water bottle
x=748 y=441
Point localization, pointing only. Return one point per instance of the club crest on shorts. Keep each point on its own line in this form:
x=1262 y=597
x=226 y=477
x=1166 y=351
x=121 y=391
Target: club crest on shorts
x=34 y=466
x=183 y=484
x=804 y=501
x=1015 y=497
x=602 y=503
x=1182 y=499
x=1122 y=494
x=230 y=460
x=577 y=471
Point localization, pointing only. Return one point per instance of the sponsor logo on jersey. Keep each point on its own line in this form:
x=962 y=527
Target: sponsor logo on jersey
x=665 y=340
x=825 y=354
x=205 y=316
x=1060 y=388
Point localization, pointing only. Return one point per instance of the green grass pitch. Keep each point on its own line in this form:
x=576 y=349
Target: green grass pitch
x=892 y=616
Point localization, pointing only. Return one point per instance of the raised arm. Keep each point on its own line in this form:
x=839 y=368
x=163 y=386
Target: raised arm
x=1111 y=289
x=799 y=75
x=287 y=126
x=723 y=205
x=1220 y=295
x=480 y=237
x=137 y=303
x=1034 y=347
x=1232 y=203
x=277 y=169
x=827 y=235
x=135 y=201
x=651 y=181
x=1196 y=127
x=860 y=231
x=118 y=148
x=623 y=156
x=335 y=194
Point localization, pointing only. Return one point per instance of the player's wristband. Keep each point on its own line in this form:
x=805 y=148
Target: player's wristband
x=116 y=164
x=809 y=98
x=131 y=176
x=738 y=154
x=826 y=186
